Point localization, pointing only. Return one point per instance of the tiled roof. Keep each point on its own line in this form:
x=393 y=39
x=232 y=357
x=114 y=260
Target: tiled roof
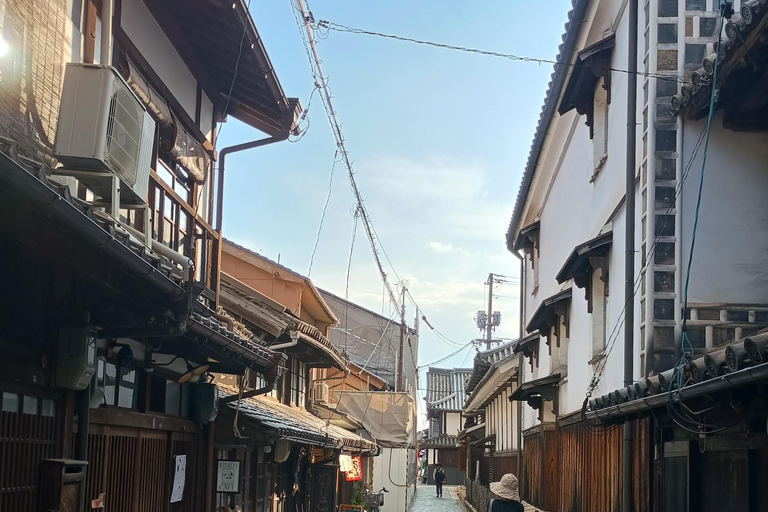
x=441 y=441
x=742 y=362
x=296 y=424
x=445 y=388
x=739 y=41
x=484 y=360
x=566 y=51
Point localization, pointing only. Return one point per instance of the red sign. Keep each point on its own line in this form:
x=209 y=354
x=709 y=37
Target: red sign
x=357 y=470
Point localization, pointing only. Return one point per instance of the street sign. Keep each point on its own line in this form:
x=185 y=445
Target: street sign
x=228 y=476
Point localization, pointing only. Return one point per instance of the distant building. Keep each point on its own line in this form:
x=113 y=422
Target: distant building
x=445 y=397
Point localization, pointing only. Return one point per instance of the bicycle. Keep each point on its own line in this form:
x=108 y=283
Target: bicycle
x=374 y=500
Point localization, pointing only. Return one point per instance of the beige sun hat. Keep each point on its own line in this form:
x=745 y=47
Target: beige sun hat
x=506 y=488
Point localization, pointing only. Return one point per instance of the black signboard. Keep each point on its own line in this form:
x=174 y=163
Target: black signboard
x=323 y=491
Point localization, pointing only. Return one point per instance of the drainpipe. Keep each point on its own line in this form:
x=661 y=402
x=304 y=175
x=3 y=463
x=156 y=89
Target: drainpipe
x=288 y=344
x=271 y=377
x=83 y=419
x=520 y=368
x=627 y=502
x=105 y=59
x=220 y=192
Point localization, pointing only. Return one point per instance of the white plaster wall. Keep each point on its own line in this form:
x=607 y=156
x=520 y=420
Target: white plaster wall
x=571 y=210
x=390 y=470
x=452 y=423
x=730 y=261
x=144 y=32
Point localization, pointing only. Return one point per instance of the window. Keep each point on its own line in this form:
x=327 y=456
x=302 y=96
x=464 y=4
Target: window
x=298 y=383
x=589 y=92
x=600 y=128
x=121 y=391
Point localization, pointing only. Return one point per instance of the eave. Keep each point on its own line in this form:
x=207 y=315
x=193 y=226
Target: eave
x=577 y=265
x=546 y=309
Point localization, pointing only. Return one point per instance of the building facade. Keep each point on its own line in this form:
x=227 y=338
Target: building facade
x=110 y=324
x=569 y=231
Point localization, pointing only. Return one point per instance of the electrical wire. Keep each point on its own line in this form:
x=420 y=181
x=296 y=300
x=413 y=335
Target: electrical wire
x=322 y=217
x=337 y=27
x=448 y=356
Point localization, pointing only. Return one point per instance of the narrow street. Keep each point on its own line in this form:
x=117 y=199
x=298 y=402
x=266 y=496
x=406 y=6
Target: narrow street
x=425 y=500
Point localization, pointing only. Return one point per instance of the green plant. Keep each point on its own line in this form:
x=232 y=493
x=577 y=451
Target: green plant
x=357 y=496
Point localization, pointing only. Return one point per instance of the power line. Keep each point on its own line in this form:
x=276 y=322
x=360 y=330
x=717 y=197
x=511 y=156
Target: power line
x=325 y=95
x=448 y=356
x=337 y=27
x=322 y=217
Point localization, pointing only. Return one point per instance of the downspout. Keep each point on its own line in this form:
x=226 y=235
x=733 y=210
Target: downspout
x=627 y=502
x=520 y=368
x=271 y=377
x=105 y=57
x=220 y=192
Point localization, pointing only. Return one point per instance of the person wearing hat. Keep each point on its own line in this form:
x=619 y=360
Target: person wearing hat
x=507 y=496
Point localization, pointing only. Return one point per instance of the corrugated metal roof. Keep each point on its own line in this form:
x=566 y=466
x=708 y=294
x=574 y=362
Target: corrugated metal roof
x=445 y=388
x=295 y=423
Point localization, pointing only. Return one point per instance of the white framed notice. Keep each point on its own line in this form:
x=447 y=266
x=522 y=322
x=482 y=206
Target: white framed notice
x=179 y=478
x=228 y=476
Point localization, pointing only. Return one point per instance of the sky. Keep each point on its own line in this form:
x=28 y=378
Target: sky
x=438 y=139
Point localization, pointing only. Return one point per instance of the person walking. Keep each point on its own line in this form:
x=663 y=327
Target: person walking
x=507 y=495
x=438 y=475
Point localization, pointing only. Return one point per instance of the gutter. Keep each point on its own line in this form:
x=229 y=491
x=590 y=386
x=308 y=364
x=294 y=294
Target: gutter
x=576 y=17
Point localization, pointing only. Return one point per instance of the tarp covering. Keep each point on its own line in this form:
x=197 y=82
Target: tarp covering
x=389 y=417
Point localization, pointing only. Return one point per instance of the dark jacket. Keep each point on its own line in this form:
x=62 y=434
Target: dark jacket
x=497 y=505
x=439 y=476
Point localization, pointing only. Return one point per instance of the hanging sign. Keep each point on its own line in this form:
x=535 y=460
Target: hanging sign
x=228 y=476
x=179 y=478
x=356 y=473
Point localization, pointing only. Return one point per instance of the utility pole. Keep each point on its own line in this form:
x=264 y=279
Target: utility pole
x=402 y=341
x=489 y=321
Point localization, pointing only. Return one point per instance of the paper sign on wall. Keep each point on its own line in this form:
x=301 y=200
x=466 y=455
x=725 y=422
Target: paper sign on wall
x=179 y=478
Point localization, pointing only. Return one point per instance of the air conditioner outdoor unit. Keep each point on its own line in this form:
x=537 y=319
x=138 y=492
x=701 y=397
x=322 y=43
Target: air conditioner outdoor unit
x=320 y=392
x=104 y=128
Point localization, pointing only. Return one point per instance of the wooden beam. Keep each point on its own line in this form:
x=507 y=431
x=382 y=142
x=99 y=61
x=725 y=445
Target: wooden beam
x=186 y=207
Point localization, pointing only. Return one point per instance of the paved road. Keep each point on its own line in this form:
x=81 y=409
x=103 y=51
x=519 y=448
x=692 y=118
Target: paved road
x=425 y=500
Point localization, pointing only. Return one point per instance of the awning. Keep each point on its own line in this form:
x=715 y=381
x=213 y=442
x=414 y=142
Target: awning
x=591 y=64
x=295 y=424
x=578 y=266
x=537 y=390
x=279 y=324
x=527 y=237
x=499 y=376
x=546 y=313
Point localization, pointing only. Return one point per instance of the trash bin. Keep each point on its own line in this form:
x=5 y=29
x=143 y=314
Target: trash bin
x=62 y=485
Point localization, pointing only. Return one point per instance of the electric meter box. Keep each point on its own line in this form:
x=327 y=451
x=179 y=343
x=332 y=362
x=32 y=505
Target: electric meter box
x=76 y=361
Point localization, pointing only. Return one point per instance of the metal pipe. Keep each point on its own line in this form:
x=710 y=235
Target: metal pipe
x=288 y=344
x=520 y=361
x=222 y=159
x=627 y=502
x=83 y=420
x=209 y=505
x=105 y=57
x=271 y=377
x=175 y=256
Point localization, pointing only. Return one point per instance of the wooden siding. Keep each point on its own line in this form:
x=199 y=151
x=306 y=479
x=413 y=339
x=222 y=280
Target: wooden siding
x=29 y=433
x=576 y=469
x=134 y=467
x=503 y=465
x=531 y=486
